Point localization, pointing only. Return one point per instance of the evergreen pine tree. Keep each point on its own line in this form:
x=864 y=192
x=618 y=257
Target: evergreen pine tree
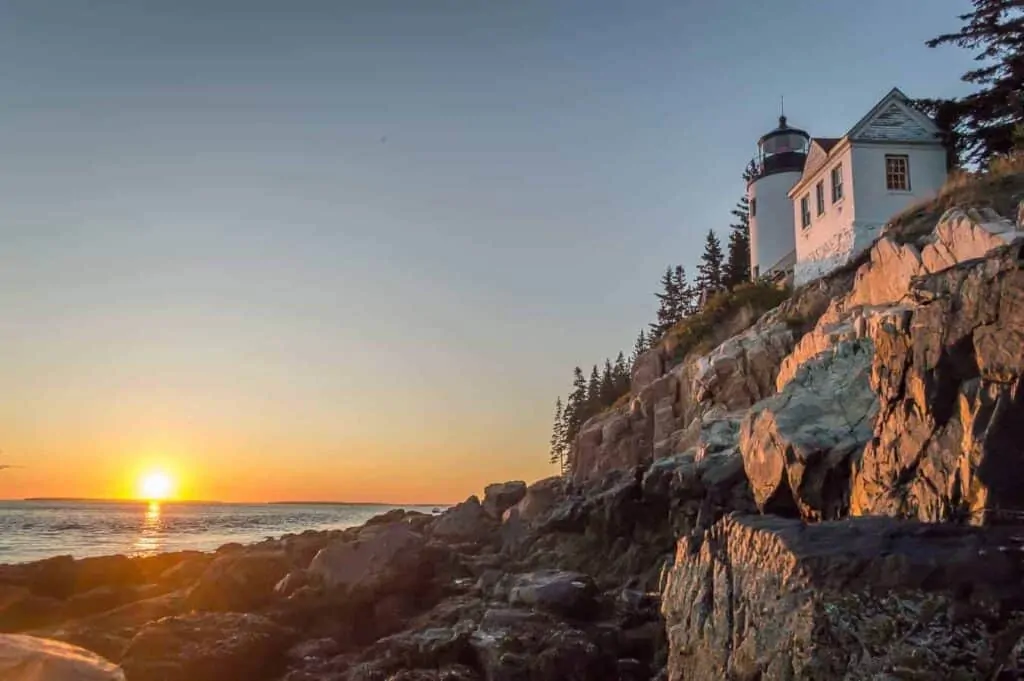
x=621 y=376
x=737 y=264
x=639 y=347
x=593 y=393
x=668 y=304
x=575 y=407
x=948 y=116
x=558 y=436
x=567 y=442
x=607 y=384
x=686 y=294
x=987 y=118
x=750 y=172
x=709 y=271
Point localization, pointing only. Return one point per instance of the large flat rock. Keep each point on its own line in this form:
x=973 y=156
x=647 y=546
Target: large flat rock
x=761 y=597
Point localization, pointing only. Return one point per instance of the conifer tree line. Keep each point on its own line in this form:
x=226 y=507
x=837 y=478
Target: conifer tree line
x=678 y=298
x=989 y=122
x=589 y=396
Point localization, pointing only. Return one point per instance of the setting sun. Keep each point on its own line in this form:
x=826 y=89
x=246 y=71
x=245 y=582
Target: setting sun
x=156 y=486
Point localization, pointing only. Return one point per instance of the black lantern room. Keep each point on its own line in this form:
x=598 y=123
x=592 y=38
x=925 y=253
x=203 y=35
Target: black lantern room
x=783 y=150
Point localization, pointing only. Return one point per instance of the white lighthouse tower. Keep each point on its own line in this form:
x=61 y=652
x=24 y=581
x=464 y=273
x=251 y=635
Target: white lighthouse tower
x=779 y=164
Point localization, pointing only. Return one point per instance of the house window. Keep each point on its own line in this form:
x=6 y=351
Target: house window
x=819 y=197
x=837 y=183
x=805 y=210
x=897 y=173
x=753 y=207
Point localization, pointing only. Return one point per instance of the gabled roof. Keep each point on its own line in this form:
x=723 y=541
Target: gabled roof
x=893 y=119
x=826 y=143
x=921 y=127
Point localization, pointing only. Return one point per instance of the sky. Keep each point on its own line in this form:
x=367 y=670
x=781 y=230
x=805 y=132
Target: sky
x=353 y=250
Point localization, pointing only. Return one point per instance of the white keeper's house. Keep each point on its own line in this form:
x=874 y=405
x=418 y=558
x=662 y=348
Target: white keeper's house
x=816 y=202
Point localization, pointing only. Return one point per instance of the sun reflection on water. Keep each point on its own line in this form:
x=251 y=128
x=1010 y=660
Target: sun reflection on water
x=150 y=539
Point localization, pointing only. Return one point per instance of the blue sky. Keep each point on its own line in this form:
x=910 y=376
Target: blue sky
x=329 y=241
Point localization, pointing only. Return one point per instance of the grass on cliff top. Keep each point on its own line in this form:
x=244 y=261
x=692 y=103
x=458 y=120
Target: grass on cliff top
x=697 y=333
x=1000 y=187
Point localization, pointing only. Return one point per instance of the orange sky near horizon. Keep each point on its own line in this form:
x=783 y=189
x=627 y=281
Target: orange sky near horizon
x=235 y=467
x=367 y=477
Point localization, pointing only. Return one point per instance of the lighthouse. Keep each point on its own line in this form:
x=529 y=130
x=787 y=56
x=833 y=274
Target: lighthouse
x=781 y=154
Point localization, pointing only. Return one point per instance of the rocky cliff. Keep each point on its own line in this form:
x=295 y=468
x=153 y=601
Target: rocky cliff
x=826 y=489
x=892 y=389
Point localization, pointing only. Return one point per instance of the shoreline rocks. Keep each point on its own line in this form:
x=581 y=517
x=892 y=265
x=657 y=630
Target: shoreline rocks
x=207 y=647
x=27 y=658
x=752 y=512
x=774 y=598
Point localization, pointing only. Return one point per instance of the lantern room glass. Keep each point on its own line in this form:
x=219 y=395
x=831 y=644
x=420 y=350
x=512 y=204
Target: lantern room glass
x=783 y=143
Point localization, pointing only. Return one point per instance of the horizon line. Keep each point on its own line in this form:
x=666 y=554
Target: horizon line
x=214 y=501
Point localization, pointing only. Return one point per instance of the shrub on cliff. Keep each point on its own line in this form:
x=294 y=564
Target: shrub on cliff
x=694 y=333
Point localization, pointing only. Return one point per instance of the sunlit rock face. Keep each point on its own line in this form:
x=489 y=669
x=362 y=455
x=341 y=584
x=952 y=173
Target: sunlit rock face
x=947 y=442
x=928 y=423
x=896 y=392
x=665 y=412
x=798 y=445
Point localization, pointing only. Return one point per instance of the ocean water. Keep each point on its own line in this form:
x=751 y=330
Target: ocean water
x=31 y=530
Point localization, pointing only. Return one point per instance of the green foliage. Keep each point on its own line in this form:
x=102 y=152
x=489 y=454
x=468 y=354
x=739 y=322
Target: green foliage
x=639 y=347
x=593 y=391
x=750 y=172
x=676 y=300
x=709 y=271
x=575 y=412
x=620 y=376
x=607 y=394
x=737 y=263
x=668 y=306
x=559 y=446
x=687 y=300
x=982 y=124
x=696 y=333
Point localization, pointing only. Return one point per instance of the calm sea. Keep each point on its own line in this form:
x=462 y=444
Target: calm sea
x=30 y=530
